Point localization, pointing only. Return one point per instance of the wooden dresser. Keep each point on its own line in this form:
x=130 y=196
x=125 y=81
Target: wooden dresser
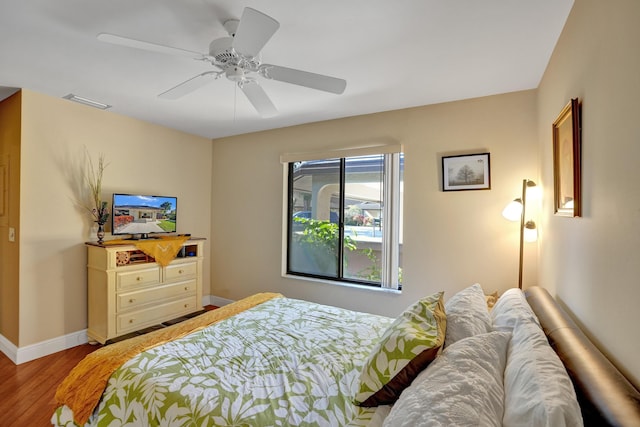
x=129 y=291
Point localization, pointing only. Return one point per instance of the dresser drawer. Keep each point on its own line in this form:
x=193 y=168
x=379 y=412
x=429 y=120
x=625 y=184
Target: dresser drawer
x=180 y=271
x=134 y=299
x=133 y=321
x=134 y=279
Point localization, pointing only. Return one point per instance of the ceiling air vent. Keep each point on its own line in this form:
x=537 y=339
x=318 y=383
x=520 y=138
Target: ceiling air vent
x=86 y=101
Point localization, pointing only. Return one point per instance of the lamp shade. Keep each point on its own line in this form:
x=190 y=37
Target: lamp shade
x=513 y=210
x=530 y=232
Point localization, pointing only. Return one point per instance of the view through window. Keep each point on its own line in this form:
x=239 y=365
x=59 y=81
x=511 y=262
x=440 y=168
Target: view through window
x=345 y=219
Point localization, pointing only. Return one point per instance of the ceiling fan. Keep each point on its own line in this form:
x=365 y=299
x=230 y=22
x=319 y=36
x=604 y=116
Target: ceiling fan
x=237 y=57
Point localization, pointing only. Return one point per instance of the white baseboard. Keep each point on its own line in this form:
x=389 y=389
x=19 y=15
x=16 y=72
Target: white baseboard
x=19 y=355
x=31 y=352
x=9 y=350
x=206 y=300
x=219 y=301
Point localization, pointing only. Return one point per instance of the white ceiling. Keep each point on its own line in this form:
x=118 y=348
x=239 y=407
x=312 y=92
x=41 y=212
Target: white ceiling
x=393 y=54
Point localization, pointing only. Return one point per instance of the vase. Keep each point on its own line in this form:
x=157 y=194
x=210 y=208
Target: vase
x=100 y=232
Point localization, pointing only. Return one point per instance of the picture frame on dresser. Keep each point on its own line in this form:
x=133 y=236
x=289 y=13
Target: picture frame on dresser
x=567 y=152
x=466 y=172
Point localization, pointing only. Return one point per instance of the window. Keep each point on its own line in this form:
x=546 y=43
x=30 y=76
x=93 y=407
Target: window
x=344 y=218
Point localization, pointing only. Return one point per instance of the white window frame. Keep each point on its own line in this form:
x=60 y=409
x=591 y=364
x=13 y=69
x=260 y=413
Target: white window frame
x=392 y=210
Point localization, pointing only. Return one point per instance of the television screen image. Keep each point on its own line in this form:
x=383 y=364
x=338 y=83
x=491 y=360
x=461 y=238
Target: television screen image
x=141 y=214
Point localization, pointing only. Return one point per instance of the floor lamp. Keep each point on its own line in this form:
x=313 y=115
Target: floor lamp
x=516 y=211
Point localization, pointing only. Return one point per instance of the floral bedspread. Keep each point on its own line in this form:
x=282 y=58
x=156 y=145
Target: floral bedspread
x=284 y=362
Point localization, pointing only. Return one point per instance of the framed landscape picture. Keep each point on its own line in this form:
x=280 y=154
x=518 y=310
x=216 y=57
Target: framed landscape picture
x=466 y=172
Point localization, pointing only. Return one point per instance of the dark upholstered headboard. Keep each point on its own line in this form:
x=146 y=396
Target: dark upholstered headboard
x=606 y=397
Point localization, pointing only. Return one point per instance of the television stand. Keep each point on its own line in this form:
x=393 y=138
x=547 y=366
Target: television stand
x=143 y=236
x=128 y=291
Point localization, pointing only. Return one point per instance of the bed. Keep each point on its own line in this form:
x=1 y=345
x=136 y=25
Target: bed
x=271 y=360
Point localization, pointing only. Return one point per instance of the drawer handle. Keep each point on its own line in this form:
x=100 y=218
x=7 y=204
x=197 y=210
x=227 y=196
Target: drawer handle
x=131 y=300
x=186 y=305
x=131 y=320
x=180 y=271
x=186 y=288
x=138 y=278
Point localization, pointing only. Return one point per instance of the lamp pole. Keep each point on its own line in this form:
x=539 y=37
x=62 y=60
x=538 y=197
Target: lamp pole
x=527 y=229
x=524 y=204
x=525 y=183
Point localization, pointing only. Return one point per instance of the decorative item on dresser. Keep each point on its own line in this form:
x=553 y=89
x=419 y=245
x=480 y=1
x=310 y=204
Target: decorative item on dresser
x=97 y=207
x=130 y=290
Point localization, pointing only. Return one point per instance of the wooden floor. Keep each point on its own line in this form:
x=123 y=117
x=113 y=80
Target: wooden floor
x=27 y=390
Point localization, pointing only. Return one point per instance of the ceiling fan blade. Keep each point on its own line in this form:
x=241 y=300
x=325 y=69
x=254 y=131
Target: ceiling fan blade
x=254 y=31
x=258 y=98
x=190 y=85
x=304 y=78
x=151 y=47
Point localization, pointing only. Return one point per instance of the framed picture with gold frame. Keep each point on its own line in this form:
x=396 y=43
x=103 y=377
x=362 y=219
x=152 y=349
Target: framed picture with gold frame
x=566 y=161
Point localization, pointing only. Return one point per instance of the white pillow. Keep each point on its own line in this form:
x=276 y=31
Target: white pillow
x=538 y=391
x=462 y=387
x=511 y=307
x=467 y=314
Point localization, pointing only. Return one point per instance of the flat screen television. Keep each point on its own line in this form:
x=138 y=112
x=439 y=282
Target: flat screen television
x=139 y=214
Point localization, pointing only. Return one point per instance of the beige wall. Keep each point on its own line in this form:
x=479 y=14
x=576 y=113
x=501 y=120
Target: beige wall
x=144 y=158
x=592 y=263
x=10 y=109
x=455 y=238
